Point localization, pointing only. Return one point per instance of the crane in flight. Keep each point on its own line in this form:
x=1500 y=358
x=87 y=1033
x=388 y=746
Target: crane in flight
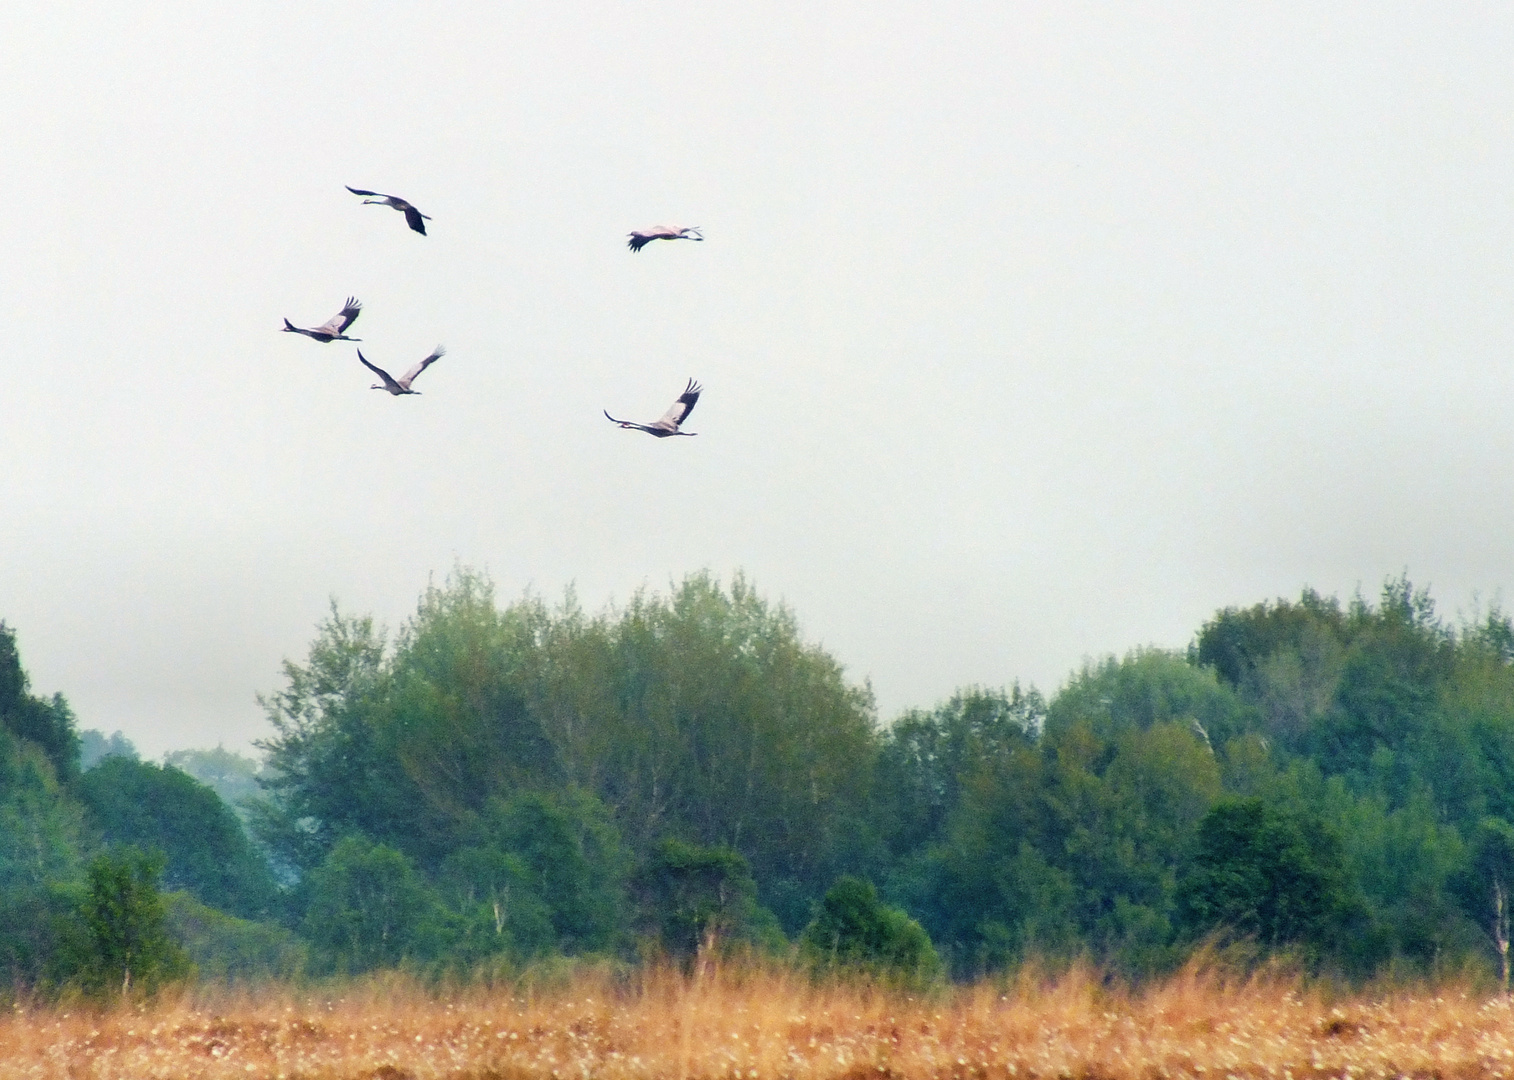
x=413 y=217
x=675 y=415
x=642 y=237
x=402 y=384
x=334 y=328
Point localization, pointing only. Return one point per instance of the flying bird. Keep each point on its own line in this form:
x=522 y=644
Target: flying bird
x=642 y=237
x=676 y=415
x=402 y=384
x=334 y=328
x=413 y=217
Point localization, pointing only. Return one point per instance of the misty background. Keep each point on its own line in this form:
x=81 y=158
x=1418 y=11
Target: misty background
x=1028 y=332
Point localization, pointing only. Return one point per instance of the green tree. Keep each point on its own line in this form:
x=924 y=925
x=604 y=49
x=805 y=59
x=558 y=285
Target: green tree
x=498 y=910
x=573 y=860
x=327 y=774
x=695 y=897
x=1237 y=642
x=41 y=827
x=1146 y=687
x=125 y=920
x=1264 y=873
x=1403 y=859
x=727 y=728
x=702 y=714
x=206 y=851
x=369 y=908
x=1396 y=665
x=1284 y=658
x=854 y=929
x=47 y=723
x=1486 y=889
x=926 y=756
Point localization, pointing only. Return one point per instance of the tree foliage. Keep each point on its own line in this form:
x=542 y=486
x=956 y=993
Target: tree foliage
x=497 y=781
x=369 y=908
x=1270 y=875
x=206 y=852
x=701 y=714
x=695 y=897
x=854 y=929
x=47 y=724
x=125 y=924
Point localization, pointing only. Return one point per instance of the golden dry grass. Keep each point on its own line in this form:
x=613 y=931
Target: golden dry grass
x=765 y=1025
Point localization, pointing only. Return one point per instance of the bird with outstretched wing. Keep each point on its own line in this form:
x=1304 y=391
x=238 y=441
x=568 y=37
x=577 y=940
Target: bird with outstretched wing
x=334 y=328
x=672 y=419
x=402 y=384
x=413 y=217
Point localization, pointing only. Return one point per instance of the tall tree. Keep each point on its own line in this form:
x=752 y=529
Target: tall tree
x=1489 y=889
x=326 y=774
x=702 y=715
x=126 y=922
x=42 y=835
x=49 y=723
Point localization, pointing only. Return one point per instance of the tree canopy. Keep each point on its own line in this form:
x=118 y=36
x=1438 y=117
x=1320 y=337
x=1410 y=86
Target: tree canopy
x=494 y=782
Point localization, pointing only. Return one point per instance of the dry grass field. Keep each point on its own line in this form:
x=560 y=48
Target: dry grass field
x=770 y=1026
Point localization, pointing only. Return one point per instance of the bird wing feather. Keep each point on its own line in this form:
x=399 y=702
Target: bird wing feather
x=679 y=411
x=413 y=219
x=389 y=383
x=409 y=376
x=349 y=313
x=339 y=322
x=360 y=191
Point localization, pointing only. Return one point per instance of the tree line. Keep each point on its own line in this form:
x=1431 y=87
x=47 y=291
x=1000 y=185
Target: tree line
x=1331 y=782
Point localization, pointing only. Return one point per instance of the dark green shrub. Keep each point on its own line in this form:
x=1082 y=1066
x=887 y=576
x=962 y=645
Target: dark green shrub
x=853 y=929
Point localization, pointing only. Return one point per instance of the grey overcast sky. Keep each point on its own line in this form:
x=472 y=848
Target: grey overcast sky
x=1030 y=332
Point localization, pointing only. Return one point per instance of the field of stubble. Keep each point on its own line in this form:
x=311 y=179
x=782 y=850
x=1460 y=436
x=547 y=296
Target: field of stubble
x=769 y=1026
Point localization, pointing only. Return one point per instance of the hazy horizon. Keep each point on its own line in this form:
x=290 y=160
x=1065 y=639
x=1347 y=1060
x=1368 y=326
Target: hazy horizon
x=1028 y=334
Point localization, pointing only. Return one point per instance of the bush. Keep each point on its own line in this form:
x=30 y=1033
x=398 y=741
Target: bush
x=227 y=948
x=853 y=929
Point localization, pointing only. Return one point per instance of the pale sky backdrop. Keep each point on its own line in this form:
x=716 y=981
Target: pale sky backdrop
x=1030 y=332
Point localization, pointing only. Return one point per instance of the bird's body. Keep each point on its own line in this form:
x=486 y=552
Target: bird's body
x=402 y=384
x=642 y=237
x=334 y=328
x=671 y=419
x=413 y=217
